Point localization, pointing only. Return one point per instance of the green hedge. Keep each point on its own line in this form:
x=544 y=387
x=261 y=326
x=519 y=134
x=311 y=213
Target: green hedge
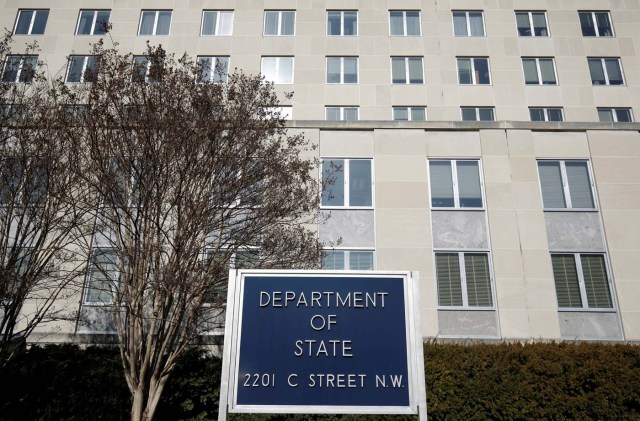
x=471 y=381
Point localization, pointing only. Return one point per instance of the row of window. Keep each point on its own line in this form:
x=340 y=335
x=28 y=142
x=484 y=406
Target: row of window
x=339 y=23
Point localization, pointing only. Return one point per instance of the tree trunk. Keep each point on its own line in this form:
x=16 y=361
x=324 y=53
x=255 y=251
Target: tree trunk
x=146 y=398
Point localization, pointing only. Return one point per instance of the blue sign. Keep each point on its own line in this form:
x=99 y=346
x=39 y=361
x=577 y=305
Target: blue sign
x=315 y=340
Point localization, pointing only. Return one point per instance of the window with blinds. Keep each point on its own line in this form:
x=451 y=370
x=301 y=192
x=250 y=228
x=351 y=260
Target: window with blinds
x=463 y=280
x=581 y=281
x=566 y=185
x=347 y=259
x=455 y=184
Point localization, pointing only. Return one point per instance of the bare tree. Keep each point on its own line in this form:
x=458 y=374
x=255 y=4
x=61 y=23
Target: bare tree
x=187 y=177
x=39 y=220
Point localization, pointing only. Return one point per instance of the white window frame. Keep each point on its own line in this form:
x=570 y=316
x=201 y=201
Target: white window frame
x=85 y=62
x=212 y=73
x=477 y=111
x=474 y=79
x=218 y=26
x=342 y=109
x=592 y=14
x=22 y=57
x=539 y=71
x=463 y=279
x=581 y=283
x=614 y=113
x=565 y=186
x=278 y=59
x=532 y=32
x=285 y=111
x=409 y=112
x=88 y=279
x=342 y=82
x=347 y=256
x=33 y=19
x=603 y=66
x=468 y=22
x=456 y=190
x=279 y=34
x=407 y=77
x=404 y=23
x=346 y=175
x=155 y=22
x=342 y=34
x=93 y=23
x=545 y=110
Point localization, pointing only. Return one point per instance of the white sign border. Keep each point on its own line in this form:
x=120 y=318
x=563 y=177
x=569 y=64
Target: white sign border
x=230 y=357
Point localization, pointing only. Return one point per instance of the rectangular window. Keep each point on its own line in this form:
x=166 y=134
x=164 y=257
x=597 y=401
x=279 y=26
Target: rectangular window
x=155 y=22
x=341 y=113
x=31 y=22
x=23 y=182
x=596 y=24
x=347 y=183
x=409 y=113
x=145 y=70
x=16 y=264
x=93 y=22
x=277 y=69
x=11 y=113
x=213 y=69
x=582 y=281
x=405 y=23
x=82 y=69
x=285 y=112
x=532 y=24
x=342 y=22
x=19 y=69
x=566 y=185
x=342 y=69
x=407 y=70
x=615 y=115
x=473 y=71
x=102 y=276
x=539 y=71
x=468 y=24
x=546 y=114
x=605 y=71
x=477 y=114
x=464 y=280
x=279 y=22
x=217 y=23
x=347 y=259
x=455 y=184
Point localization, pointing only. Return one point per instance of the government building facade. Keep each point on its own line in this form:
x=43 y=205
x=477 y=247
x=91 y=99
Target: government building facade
x=488 y=145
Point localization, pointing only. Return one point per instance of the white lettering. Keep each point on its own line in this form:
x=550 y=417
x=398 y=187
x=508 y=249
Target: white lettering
x=268 y=298
x=289 y=380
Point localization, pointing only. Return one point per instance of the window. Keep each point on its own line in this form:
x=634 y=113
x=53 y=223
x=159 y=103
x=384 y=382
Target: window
x=605 y=71
x=341 y=113
x=19 y=69
x=477 y=114
x=404 y=23
x=615 y=115
x=464 y=280
x=82 y=69
x=17 y=265
x=155 y=22
x=342 y=69
x=347 y=183
x=347 y=259
x=455 y=184
x=213 y=69
x=532 y=24
x=278 y=69
x=546 y=114
x=31 y=22
x=342 y=22
x=468 y=24
x=93 y=22
x=596 y=24
x=23 y=181
x=279 y=22
x=539 y=71
x=102 y=276
x=581 y=281
x=74 y=114
x=406 y=70
x=284 y=112
x=145 y=70
x=566 y=185
x=473 y=71
x=217 y=22
x=11 y=113
x=409 y=113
